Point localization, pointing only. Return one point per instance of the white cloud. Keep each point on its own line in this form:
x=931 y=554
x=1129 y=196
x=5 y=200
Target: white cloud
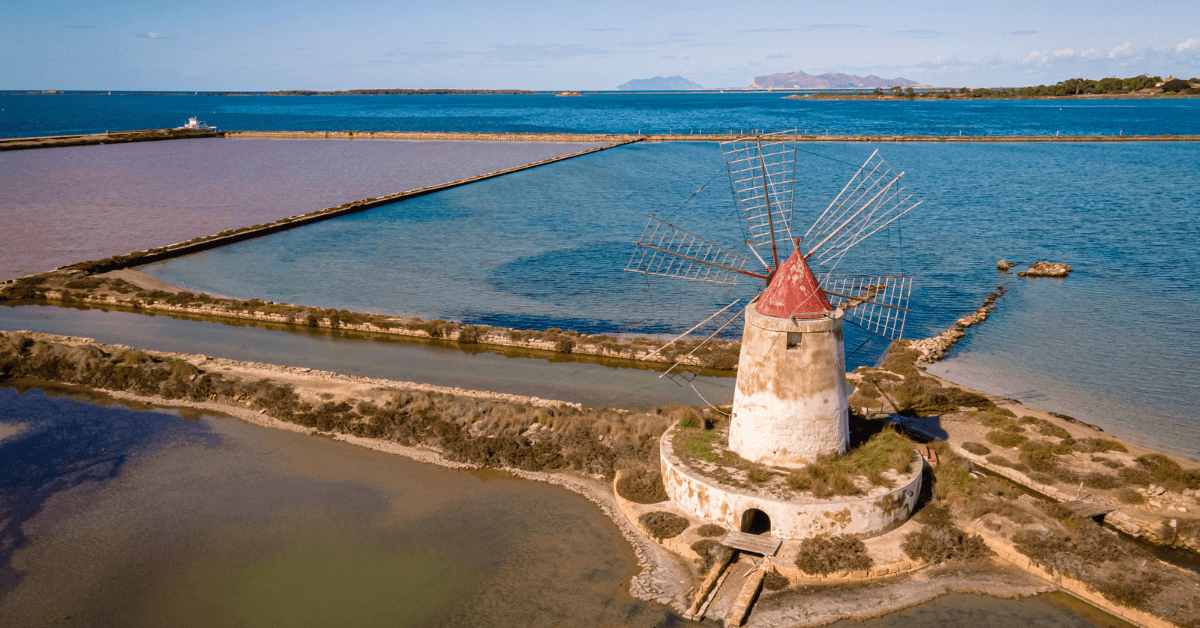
x=1065 y=52
x=1090 y=53
x=1120 y=50
x=1190 y=44
x=155 y=36
x=1034 y=56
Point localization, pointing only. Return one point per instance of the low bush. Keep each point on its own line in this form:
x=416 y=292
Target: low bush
x=1001 y=461
x=690 y=420
x=469 y=335
x=663 y=525
x=642 y=487
x=1130 y=496
x=799 y=481
x=564 y=344
x=1135 y=475
x=1111 y=464
x=1038 y=458
x=1097 y=445
x=1164 y=470
x=1005 y=439
x=823 y=556
x=978 y=449
x=710 y=530
x=1102 y=481
x=934 y=514
x=711 y=551
x=1046 y=428
x=940 y=544
x=758 y=474
x=774 y=581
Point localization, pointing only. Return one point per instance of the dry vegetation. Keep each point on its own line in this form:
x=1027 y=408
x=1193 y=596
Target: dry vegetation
x=484 y=432
x=79 y=286
x=1118 y=568
x=821 y=556
x=663 y=525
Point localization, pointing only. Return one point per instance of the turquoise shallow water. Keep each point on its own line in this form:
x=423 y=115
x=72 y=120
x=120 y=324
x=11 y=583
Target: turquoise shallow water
x=1114 y=344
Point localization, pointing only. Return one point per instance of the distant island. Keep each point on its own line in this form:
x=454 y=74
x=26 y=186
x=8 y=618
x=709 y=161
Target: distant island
x=659 y=84
x=829 y=80
x=1143 y=86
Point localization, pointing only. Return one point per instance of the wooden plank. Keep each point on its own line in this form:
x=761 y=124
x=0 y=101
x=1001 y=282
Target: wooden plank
x=753 y=543
x=1087 y=509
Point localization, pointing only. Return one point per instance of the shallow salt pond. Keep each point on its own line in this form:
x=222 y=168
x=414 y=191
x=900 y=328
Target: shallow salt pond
x=79 y=203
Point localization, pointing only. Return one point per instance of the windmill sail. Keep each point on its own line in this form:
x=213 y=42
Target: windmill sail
x=664 y=249
x=762 y=171
x=877 y=304
x=871 y=200
x=700 y=346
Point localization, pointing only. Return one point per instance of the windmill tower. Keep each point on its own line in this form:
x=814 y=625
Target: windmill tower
x=790 y=399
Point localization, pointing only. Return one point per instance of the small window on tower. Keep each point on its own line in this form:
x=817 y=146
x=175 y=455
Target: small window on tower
x=793 y=339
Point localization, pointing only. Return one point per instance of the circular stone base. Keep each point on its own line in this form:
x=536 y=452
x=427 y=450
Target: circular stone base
x=791 y=516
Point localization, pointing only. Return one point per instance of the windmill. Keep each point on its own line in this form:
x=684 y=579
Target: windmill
x=790 y=402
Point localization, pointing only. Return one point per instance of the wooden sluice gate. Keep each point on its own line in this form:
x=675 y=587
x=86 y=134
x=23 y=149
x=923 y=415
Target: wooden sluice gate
x=738 y=542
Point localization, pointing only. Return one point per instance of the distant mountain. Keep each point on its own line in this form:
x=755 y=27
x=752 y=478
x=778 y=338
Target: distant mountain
x=829 y=80
x=659 y=84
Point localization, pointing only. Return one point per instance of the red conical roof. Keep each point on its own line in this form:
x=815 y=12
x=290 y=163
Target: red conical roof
x=793 y=290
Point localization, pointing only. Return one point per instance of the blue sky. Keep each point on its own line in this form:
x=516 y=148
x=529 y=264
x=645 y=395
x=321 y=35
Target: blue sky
x=562 y=44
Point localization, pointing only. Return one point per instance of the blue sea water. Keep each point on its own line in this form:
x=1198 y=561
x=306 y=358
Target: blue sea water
x=26 y=115
x=1114 y=344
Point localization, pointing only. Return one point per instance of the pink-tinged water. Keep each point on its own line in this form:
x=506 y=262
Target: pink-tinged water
x=65 y=205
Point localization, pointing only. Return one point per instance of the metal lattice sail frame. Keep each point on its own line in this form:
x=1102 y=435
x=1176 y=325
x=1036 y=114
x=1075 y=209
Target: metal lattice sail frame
x=873 y=199
x=762 y=172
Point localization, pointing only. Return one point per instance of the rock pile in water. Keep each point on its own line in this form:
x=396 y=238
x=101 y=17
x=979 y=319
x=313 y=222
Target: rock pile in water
x=1046 y=269
x=934 y=349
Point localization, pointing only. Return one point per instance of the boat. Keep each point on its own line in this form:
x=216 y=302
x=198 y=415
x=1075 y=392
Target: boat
x=193 y=123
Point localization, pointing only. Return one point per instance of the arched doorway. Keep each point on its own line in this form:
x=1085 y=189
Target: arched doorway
x=755 y=521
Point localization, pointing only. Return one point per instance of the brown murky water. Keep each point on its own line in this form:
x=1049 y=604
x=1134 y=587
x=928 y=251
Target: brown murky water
x=144 y=518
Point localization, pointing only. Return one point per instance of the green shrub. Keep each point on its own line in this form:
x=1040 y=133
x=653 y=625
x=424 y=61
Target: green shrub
x=1005 y=439
x=690 y=420
x=709 y=530
x=758 y=474
x=663 y=525
x=823 y=556
x=642 y=487
x=978 y=449
x=774 y=581
x=799 y=481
